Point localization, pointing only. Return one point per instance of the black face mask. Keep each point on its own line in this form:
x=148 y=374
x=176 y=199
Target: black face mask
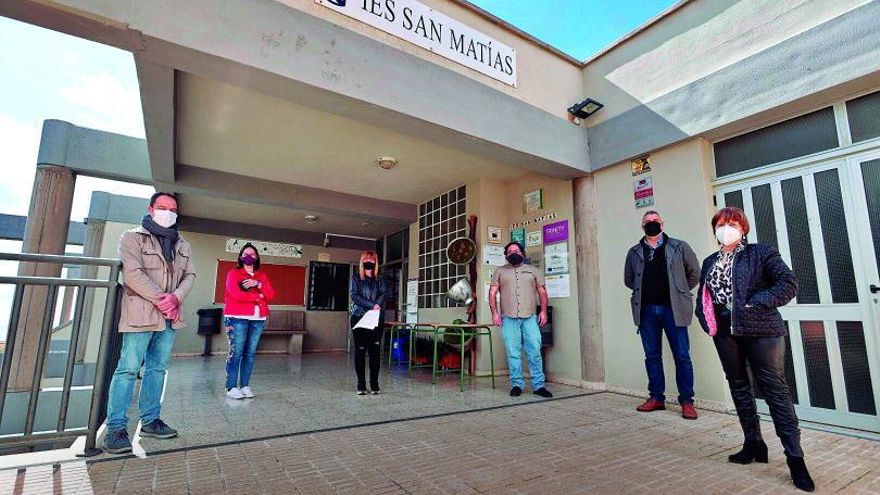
x=515 y=258
x=369 y=265
x=652 y=228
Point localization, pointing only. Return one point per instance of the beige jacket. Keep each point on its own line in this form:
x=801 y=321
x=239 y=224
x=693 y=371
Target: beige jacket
x=146 y=278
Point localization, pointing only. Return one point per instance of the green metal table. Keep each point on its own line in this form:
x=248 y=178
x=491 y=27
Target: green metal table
x=465 y=331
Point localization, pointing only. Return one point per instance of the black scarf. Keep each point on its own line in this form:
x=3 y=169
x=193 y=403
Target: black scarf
x=167 y=237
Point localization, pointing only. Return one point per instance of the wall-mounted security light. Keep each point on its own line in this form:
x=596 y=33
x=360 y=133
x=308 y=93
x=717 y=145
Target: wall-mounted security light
x=584 y=109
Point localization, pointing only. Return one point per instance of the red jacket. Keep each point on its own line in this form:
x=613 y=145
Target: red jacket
x=240 y=302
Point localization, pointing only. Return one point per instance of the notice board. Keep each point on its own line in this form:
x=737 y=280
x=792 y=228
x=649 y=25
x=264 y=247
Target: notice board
x=289 y=282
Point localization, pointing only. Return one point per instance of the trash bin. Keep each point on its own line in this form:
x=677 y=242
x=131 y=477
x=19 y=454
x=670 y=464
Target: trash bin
x=547 y=329
x=209 y=325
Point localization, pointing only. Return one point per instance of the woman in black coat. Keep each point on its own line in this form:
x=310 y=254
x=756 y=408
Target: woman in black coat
x=741 y=287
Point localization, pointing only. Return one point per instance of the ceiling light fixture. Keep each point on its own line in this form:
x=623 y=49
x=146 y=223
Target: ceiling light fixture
x=387 y=162
x=366 y=223
x=311 y=218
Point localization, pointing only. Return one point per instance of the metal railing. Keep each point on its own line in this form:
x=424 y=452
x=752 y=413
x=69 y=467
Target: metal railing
x=108 y=350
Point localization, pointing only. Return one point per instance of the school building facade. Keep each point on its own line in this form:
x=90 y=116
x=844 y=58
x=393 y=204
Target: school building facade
x=269 y=119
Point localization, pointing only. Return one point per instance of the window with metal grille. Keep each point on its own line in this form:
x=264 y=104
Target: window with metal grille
x=800 y=136
x=864 y=117
x=441 y=220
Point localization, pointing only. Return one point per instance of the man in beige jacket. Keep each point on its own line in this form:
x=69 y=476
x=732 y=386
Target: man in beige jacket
x=158 y=274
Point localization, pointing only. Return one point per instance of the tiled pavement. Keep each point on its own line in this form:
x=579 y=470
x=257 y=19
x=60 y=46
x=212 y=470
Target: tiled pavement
x=583 y=444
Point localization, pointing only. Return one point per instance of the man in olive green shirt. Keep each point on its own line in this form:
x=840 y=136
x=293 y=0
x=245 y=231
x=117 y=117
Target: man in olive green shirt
x=522 y=289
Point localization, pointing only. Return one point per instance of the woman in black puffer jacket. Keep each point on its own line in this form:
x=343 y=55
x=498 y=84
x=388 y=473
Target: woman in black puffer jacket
x=741 y=287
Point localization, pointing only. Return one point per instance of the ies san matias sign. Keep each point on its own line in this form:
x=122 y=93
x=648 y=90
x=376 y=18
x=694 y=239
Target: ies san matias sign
x=441 y=34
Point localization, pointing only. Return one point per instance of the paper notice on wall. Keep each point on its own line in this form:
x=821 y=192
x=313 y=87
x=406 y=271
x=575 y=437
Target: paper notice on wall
x=412 y=296
x=486 y=287
x=556 y=258
x=493 y=255
x=557 y=285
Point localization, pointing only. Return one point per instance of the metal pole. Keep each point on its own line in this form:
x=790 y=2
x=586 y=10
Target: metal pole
x=71 y=356
x=98 y=390
x=14 y=318
x=45 y=333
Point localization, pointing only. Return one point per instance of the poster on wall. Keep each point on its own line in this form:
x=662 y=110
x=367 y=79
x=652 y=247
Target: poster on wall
x=534 y=259
x=533 y=238
x=493 y=255
x=518 y=235
x=643 y=192
x=556 y=258
x=281 y=249
x=558 y=285
x=641 y=165
x=494 y=234
x=556 y=232
x=533 y=201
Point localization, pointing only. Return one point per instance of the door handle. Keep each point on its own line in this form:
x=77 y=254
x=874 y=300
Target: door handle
x=874 y=289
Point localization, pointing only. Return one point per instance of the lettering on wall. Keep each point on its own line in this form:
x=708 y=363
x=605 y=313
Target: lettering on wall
x=421 y=25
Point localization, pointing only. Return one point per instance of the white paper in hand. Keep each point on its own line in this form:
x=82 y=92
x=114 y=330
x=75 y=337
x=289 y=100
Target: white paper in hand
x=370 y=320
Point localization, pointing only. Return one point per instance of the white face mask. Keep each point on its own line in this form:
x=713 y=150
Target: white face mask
x=165 y=218
x=728 y=235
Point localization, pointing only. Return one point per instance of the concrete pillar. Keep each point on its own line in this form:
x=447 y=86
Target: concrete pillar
x=45 y=233
x=91 y=248
x=589 y=303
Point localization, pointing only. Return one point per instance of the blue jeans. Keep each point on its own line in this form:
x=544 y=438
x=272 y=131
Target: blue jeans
x=153 y=349
x=519 y=333
x=654 y=320
x=243 y=337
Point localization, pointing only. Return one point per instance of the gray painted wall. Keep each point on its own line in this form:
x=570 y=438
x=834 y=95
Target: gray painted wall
x=844 y=49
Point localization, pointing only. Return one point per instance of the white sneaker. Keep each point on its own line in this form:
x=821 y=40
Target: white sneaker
x=234 y=393
x=246 y=392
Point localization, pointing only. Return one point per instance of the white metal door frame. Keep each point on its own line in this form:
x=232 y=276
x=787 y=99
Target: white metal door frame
x=865 y=311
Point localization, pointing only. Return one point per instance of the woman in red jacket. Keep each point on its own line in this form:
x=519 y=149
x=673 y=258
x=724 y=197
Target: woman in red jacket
x=248 y=293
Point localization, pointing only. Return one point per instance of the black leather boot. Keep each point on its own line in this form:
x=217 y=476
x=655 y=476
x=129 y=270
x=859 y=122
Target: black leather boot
x=753 y=450
x=799 y=474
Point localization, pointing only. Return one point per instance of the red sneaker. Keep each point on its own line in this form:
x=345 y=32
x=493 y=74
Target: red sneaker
x=688 y=411
x=651 y=405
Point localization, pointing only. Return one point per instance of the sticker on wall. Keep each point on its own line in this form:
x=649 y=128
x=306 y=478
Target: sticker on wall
x=556 y=232
x=324 y=257
x=518 y=235
x=643 y=192
x=533 y=238
x=494 y=234
x=641 y=165
x=281 y=249
x=533 y=201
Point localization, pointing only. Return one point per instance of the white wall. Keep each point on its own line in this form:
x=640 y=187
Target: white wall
x=682 y=175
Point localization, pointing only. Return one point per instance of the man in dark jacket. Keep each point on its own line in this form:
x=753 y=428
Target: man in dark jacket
x=661 y=272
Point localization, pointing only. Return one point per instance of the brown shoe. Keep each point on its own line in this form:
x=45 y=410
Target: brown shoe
x=688 y=411
x=651 y=405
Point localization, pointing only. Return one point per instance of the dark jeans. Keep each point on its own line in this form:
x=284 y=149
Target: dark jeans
x=766 y=358
x=654 y=320
x=367 y=341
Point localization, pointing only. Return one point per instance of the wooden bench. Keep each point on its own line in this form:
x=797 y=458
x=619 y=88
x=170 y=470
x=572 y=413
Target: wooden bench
x=286 y=322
